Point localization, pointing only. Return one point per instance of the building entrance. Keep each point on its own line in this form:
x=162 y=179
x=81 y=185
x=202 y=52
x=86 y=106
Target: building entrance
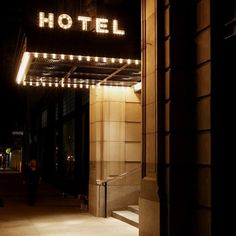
x=86 y=124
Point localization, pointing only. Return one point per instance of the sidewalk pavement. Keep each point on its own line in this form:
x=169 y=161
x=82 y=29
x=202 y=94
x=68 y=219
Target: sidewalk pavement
x=54 y=215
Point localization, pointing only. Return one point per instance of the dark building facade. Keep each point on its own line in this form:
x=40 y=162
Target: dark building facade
x=186 y=97
x=58 y=135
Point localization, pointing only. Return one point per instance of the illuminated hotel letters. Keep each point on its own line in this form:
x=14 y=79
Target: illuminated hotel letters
x=65 y=22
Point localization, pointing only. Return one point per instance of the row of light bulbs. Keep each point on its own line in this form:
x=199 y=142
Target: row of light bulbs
x=65 y=22
x=69 y=85
x=86 y=58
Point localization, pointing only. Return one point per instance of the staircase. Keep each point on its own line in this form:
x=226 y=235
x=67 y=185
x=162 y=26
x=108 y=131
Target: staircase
x=130 y=215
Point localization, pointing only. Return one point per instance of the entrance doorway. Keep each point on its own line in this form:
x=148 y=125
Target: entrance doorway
x=59 y=137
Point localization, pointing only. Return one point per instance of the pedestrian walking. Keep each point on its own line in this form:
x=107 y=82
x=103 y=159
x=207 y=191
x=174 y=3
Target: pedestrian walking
x=33 y=178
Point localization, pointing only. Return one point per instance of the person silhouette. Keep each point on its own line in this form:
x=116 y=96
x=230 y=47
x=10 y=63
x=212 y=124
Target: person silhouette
x=33 y=178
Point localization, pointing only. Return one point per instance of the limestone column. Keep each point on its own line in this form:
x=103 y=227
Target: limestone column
x=115 y=147
x=149 y=202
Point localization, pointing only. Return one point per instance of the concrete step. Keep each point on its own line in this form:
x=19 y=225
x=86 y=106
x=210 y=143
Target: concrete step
x=134 y=208
x=127 y=216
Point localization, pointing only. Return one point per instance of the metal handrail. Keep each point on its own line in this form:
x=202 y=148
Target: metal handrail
x=111 y=179
x=104 y=183
x=231 y=22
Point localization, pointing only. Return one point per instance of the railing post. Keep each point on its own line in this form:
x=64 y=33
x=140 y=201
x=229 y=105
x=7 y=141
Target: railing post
x=105 y=185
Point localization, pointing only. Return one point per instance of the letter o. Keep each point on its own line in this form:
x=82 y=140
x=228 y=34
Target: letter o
x=67 y=18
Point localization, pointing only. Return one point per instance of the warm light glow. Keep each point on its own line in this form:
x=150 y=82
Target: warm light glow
x=115 y=28
x=88 y=58
x=61 y=21
x=21 y=76
x=24 y=63
x=101 y=25
x=65 y=22
x=137 y=87
x=43 y=20
x=85 y=20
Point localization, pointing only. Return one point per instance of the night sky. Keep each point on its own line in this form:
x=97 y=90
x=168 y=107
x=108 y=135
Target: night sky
x=11 y=98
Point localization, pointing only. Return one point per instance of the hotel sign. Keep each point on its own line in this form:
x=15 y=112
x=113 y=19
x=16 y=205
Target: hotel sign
x=82 y=23
x=69 y=30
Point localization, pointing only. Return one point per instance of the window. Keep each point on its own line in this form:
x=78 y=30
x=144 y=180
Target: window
x=44 y=118
x=68 y=102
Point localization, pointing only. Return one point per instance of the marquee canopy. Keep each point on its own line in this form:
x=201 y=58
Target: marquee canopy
x=66 y=46
x=62 y=70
